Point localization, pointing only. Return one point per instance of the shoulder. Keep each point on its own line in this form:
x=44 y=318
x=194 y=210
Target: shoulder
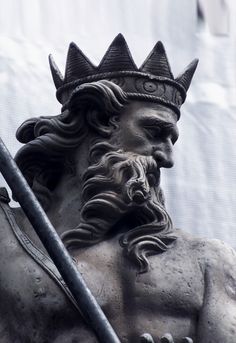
x=10 y=247
x=210 y=248
x=217 y=260
x=8 y=216
x=218 y=250
x=4 y=211
x=213 y=253
x=190 y=244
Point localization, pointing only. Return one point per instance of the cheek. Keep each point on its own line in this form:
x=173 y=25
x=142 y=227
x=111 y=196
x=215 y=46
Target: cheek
x=134 y=140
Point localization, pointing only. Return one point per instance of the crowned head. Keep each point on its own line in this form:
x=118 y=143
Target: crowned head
x=117 y=129
x=102 y=98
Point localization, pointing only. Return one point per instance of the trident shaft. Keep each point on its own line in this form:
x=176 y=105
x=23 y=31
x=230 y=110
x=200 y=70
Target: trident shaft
x=88 y=305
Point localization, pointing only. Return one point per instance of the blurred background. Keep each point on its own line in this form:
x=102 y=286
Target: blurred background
x=200 y=189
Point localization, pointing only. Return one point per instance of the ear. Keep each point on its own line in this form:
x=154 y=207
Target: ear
x=100 y=123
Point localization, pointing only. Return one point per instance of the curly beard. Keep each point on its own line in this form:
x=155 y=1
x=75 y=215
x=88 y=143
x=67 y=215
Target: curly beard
x=121 y=187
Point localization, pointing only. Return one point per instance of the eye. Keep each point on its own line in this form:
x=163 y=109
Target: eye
x=153 y=132
x=174 y=139
x=174 y=136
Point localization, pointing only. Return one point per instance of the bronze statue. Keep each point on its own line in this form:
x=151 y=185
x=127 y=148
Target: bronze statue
x=95 y=168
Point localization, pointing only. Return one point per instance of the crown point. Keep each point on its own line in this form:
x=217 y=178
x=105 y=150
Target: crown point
x=157 y=62
x=159 y=47
x=73 y=45
x=120 y=36
x=56 y=74
x=119 y=39
x=186 y=76
x=77 y=64
x=117 y=57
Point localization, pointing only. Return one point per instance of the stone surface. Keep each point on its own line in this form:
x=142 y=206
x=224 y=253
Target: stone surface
x=96 y=170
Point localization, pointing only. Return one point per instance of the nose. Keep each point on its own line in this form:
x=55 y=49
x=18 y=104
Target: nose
x=163 y=154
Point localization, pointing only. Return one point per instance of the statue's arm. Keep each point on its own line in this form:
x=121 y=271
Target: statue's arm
x=217 y=321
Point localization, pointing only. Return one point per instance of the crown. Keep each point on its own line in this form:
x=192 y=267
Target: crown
x=153 y=81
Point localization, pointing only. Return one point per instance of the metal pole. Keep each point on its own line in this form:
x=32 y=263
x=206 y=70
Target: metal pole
x=55 y=248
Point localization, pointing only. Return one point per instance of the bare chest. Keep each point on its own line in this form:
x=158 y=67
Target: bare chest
x=165 y=298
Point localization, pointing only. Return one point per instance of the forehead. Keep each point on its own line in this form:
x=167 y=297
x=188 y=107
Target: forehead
x=139 y=110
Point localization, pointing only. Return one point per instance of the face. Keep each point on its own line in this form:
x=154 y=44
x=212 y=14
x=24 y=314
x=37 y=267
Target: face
x=122 y=181
x=149 y=129
x=121 y=189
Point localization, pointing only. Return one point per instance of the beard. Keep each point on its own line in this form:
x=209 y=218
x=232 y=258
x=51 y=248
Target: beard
x=122 y=189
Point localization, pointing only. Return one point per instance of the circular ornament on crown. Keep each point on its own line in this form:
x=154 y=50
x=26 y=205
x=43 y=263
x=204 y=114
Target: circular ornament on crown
x=150 y=87
x=178 y=98
x=119 y=81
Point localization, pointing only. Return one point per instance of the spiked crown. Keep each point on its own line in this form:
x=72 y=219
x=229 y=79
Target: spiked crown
x=153 y=81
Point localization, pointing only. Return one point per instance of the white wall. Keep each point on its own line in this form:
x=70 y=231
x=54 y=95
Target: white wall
x=200 y=189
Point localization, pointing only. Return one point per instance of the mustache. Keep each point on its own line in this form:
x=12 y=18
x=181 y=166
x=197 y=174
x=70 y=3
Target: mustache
x=113 y=186
x=129 y=174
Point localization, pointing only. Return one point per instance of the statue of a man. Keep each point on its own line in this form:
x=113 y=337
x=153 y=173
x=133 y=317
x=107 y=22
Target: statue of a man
x=95 y=168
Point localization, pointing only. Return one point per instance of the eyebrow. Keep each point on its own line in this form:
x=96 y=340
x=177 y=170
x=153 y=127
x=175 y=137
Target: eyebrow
x=154 y=121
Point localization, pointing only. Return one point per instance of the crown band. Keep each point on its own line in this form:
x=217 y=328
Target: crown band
x=136 y=85
x=153 y=81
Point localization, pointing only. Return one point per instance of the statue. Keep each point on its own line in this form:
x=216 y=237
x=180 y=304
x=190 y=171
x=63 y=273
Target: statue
x=95 y=168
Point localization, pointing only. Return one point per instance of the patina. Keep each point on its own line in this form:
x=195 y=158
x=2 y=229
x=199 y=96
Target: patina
x=95 y=168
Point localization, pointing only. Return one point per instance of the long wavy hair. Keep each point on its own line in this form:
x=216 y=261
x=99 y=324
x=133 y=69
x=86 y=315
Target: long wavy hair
x=50 y=141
